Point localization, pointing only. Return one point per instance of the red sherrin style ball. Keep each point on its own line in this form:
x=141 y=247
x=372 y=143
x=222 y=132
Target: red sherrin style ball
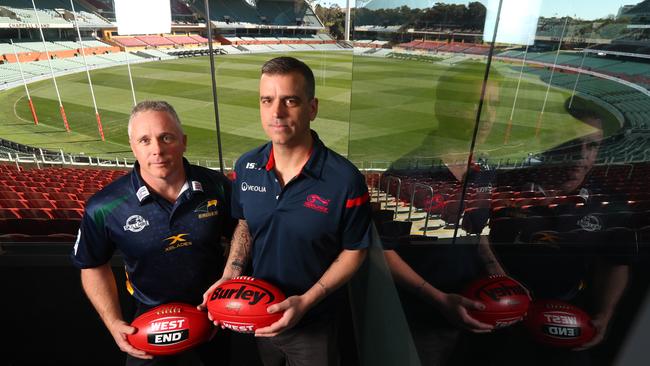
x=170 y=328
x=506 y=300
x=240 y=304
x=559 y=324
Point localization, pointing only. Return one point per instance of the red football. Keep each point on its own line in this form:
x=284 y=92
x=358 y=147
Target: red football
x=559 y=324
x=506 y=300
x=240 y=304
x=170 y=328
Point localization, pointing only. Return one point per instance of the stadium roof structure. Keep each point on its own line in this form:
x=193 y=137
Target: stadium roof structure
x=392 y=4
x=642 y=8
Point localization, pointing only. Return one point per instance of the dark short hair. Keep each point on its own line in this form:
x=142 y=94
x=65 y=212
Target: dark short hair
x=154 y=105
x=286 y=65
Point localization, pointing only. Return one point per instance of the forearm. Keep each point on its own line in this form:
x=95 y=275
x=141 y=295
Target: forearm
x=404 y=275
x=488 y=258
x=240 y=251
x=101 y=289
x=610 y=280
x=338 y=273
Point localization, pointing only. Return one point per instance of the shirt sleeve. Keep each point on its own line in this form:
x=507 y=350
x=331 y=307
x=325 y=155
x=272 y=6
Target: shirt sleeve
x=93 y=247
x=356 y=216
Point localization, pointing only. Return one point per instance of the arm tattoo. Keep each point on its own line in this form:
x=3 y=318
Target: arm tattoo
x=241 y=245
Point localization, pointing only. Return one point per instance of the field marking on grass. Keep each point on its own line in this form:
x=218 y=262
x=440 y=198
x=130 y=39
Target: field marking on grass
x=16 y=112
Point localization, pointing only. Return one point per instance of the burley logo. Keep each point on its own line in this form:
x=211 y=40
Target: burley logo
x=168 y=331
x=317 y=203
x=496 y=291
x=248 y=187
x=252 y=294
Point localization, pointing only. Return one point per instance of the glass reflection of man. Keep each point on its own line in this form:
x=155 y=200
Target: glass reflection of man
x=562 y=258
x=431 y=279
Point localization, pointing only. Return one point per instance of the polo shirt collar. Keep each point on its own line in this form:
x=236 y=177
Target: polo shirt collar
x=313 y=167
x=142 y=193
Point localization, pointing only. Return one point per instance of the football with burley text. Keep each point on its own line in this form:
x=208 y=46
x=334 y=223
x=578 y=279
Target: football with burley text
x=506 y=300
x=241 y=303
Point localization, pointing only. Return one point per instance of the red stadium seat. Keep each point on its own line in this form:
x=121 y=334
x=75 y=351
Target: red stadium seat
x=10 y=195
x=33 y=213
x=67 y=213
x=85 y=196
x=5 y=203
x=69 y=204
x=35 y=196
x=61 y=196
x=40 y=203
x=7 y=213
x=70 y=190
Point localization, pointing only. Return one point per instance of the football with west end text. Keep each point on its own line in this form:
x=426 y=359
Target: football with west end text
x=170 y=328
x=559 y=324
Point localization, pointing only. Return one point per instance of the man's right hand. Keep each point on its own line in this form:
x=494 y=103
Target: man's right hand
x=455 y=308
x=206 y=295
x=119 y=329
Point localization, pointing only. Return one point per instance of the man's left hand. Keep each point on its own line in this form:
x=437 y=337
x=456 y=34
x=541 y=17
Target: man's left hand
x=600 y=323
x=294 y=308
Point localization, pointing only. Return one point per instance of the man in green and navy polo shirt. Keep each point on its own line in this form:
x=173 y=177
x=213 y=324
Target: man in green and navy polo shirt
x=167 y=218
x=304 y=219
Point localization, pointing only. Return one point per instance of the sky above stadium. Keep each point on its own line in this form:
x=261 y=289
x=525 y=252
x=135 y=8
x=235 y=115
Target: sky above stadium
x=584 y=9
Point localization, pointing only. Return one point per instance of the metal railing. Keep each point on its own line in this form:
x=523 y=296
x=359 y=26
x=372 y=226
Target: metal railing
x=414 y=187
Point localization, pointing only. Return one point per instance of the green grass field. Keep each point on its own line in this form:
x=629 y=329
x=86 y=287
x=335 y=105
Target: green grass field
x=371 y=109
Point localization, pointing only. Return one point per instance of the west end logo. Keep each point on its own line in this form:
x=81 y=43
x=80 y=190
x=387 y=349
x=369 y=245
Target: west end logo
x=135 y=224
x=249 y=187
x=168 y=331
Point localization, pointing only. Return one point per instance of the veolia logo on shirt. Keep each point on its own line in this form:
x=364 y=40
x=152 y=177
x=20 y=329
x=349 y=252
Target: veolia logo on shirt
x=135 y=224
x=249 y=187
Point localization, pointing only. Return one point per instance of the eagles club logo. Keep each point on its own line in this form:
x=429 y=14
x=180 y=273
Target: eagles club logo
x=207 y=209
x=135 y=224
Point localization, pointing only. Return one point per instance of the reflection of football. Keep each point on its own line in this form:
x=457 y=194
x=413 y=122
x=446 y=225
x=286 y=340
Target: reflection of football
x=506 y=300
x=240 y=304
x=559 y=324
x=169 y=329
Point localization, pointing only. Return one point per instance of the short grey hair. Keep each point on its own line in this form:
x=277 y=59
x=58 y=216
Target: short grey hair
x=157 y=106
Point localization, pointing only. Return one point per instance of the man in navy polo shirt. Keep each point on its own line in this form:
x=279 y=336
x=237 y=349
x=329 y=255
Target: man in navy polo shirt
x=304 y=219
x=167 y=218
